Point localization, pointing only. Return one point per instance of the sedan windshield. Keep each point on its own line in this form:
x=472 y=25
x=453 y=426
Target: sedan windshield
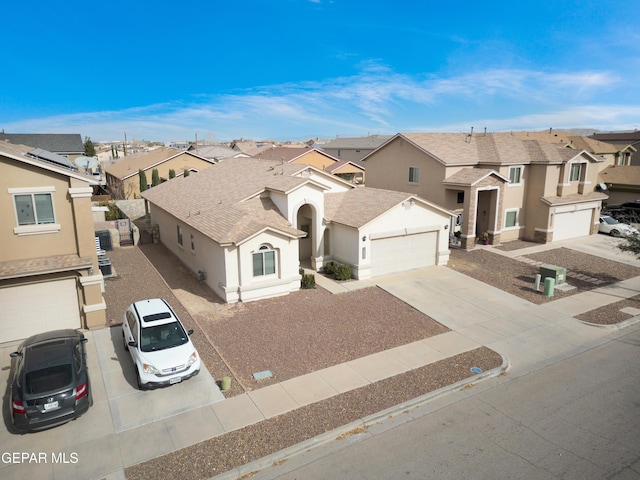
x=159 y=337
x=610 y=220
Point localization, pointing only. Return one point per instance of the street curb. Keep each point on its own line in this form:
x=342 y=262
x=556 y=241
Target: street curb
x=376 y=418
x=614 y=326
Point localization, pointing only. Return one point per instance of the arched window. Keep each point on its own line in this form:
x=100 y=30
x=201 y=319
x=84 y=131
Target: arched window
x=264 y=261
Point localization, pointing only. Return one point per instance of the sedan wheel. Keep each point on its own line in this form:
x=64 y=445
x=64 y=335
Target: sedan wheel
x=615 y=233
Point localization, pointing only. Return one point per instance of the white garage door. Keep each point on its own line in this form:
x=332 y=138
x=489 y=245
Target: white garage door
x=396 y=254
x=571 y=224
x=30 y=309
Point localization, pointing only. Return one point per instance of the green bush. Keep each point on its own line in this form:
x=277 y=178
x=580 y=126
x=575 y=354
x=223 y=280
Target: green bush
x=342 y=272
x=329 y=268
x=308 y=281
x=114 y=211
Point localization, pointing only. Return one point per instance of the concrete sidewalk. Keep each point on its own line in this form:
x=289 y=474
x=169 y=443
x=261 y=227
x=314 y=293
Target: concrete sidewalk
x=107 y=439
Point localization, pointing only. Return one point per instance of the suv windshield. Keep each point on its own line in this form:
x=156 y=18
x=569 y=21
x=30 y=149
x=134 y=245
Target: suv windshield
x=159 y=337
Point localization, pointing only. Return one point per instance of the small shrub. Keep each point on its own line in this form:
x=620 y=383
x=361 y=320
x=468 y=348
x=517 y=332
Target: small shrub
x=308 y=281
x=114 y=211
x=329 y=268
x=342 y=272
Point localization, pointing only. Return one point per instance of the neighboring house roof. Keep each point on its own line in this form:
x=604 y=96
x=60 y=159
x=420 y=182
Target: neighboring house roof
x=225 y=202
x=334 y=167
x=285 y=154
x=471 y=176
x=216 y=152
x=129 y=166
x=62 y=143
x=489 y=149
x=42 y=159
x=359 y=206
x=367 y=143
x=631 y=137
x=621 y=175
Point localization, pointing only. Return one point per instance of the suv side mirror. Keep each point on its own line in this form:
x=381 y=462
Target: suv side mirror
x=133 y=344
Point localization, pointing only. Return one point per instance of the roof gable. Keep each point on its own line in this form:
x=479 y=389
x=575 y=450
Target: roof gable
x=131 y=165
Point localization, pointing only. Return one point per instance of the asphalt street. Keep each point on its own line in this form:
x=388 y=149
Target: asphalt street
x=576 y=419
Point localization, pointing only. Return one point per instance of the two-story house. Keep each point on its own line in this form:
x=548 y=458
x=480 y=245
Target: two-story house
x=501 y=186
x=49 y=273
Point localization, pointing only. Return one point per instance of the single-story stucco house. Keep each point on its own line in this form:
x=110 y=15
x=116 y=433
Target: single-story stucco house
x=247 y=225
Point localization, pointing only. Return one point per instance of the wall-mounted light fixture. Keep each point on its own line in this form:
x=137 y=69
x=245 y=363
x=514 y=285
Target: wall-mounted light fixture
x=364 y=238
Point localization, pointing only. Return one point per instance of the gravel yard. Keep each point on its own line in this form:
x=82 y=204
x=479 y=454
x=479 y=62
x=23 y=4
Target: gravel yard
x=517 y=277
x=291 y=335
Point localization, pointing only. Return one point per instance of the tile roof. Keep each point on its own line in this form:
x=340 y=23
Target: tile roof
x=70 y=143
x=578 y=142
x=574 y=198
x=36 y=266
x=130 y=165
x=224 y=202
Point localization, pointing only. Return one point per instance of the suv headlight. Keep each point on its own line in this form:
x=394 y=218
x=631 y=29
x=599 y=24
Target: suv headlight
x=150 y=369
x=192 y=359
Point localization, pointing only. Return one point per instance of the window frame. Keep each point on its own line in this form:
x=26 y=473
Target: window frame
x=575 y=167
x=262 y=252
x=520 y=170
x=516 y=223
x=179 y=235
x=38 y=227
x=414 y=175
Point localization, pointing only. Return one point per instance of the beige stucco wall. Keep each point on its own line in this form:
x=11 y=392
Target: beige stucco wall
x=388 y=168
x=72 y=233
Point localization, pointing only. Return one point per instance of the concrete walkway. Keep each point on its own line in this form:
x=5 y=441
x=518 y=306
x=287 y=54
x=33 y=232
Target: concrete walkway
x=107 y=439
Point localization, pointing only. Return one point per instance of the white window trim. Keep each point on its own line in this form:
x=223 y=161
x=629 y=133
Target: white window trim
x=521 y=167
x=39 y=229
x=510 y=210
x=261 y=251
x=583 y=173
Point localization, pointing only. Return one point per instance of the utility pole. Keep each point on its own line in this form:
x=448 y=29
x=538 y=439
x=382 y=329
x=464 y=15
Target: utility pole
x=124 y=146
x=197 y=143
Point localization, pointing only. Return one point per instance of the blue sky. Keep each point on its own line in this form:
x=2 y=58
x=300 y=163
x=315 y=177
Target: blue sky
x=300 y=69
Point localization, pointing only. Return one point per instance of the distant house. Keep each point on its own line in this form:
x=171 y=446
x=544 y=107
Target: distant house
x=628 y=142
x=68 y=145
x=349 y=171
x=49 y=272
x=215 y=152
x=247 y=225
x=622 y=183
x=502 y=185
x=353 y=149
x=123 y=178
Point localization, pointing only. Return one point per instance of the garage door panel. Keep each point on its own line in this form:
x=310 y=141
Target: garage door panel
x=572 y=224
x=400 y=253
x=35 y=308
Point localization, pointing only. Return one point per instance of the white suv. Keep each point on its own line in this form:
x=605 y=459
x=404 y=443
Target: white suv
x=160 y=347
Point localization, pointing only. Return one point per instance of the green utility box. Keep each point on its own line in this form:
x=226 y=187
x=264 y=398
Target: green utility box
x=559 y=274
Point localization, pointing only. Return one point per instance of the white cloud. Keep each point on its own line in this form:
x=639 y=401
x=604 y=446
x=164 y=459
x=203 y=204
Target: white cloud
x=377 y=100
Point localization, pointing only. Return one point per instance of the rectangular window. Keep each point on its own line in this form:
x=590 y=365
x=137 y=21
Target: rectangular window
x=574 y=174
x=414 y=175
x=264 y=263
x=460 y=197
x=511 y=218
x=179 y=231
x=515 y=175
x=193 y=244
x=34 y=209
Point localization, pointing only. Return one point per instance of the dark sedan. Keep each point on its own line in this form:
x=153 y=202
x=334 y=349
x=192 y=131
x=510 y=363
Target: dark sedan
x=50 y=384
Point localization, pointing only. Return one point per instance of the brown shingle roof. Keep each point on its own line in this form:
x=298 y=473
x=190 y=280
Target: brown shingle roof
x=621 y=175
x=35 y=266
x=223 y=202
x=130 y=165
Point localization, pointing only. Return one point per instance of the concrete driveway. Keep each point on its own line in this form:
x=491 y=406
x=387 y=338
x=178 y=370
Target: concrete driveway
x=108 y=437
